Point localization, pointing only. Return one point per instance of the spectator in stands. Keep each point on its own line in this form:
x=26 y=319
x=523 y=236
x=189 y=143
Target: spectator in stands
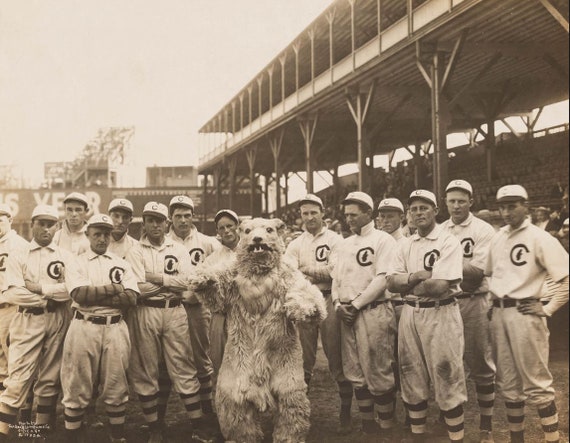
x=563 y=234
x=409 y=228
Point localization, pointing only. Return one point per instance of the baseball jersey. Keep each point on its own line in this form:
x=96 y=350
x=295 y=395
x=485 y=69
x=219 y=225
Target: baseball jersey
x=400 y=238
x=104 y=269
x=121 y=246
x=169 y=259
x=54 y=268
x=222 y=256
x=75 y=242
x=360 y=258
x=310 y=250
x=438 y=252
x=520 y=259
x=475 y=237
x=197 y=245
x=9 y=243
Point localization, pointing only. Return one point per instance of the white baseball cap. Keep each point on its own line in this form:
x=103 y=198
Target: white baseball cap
x=121 y=203
x=100 y=221
x=313 y=199
x=511 y=193
x=461 y=185
x=391 y=204
x=46 y=212
x=156 y=209
x=181 y=200
x=77 y=197
x=5 y=209
x=226 y=213
x=422 y=194
x=359 y=197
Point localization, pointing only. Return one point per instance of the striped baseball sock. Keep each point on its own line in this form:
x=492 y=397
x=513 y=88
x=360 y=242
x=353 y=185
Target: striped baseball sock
x=366 y=408
x=164 y=388
x=73 y=418
x=192 y=405
x=26 y=409
x=345 y=393
x=486 y=401
x=418 y=416
x=149 y=405
x=206 y=394
x=116 y=416
x=454 y=419
x=385 y=408
x=7 y=417
x=45 y=412
x=515 y=418
x=549 y=421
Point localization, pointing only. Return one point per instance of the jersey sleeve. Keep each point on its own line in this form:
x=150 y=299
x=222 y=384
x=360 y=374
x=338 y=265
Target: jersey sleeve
x=398 y=264
x=552 y=256
x=482 y=246
x=384 y=254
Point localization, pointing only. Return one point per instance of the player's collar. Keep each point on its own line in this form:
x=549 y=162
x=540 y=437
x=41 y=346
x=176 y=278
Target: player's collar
x=432 y=235
x=525 y=224
x=34 y=245
x=367 y=228
x=93 y=255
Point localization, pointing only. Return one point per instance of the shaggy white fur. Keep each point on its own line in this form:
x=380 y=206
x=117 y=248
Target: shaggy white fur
x=263 y=298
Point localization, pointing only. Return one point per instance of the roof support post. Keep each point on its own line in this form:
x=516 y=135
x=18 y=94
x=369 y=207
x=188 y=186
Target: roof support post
x=259 y=96
x=352 y=34
x=250 y=107
x=296 y=48
x=330 y=20
x=250 y=156
x=241 y=112
x=266 y=181
x=232 y=166
x=275 y=142
x=217 y=185
x=270 y=73
x=379 y=24
x=204 y=202
x=556 y=14
x=490 y=149
x=311 y=34
x=233 y=117
x=359 y=110
x=308 y=125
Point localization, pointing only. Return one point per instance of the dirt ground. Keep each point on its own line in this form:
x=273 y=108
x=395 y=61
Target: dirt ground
x=324 y=413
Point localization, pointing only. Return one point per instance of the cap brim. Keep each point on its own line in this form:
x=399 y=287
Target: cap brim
x=45 y=217
x=354 y=201
x=309 y=202
x=511 y=198
x=155 y=214
x=100 y=225
x=122 y=208
x=427 y=200
x=390 y=208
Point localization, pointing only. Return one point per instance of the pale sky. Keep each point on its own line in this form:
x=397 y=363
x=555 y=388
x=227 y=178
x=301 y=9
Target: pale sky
x=69 y=67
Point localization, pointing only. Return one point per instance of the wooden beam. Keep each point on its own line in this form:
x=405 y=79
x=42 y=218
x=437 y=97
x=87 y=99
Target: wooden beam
x=556 y=14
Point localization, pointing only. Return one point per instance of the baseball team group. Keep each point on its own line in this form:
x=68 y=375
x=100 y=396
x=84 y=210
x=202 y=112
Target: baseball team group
x=90 y=314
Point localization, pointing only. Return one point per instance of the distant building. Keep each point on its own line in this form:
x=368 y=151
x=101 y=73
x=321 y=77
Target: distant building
x=171 y=176
x=10 y=177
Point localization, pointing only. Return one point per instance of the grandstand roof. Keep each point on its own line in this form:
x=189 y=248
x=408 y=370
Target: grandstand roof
x=513 y=58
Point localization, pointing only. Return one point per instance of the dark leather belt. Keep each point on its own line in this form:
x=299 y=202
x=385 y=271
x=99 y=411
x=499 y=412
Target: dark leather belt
x=511 y=303
x=98 y=319
x=430 y=304
x=4 y=305
x=172 y=303
x=398 y=302
x=36 y=310
x=374 y=304
x=467 y=295
x=326 y=292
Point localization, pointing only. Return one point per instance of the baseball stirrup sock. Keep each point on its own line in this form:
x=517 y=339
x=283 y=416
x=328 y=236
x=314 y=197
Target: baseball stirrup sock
x=116 y=416
x=385 y=407
x=486 y=401
x=206 y=394
x=192 y=405
x=549 y=421
x=26 y=409
x=149 y=407
x=454 y=419
x=345 y=393
x=45 y=412
x=73 y=418
x=164 y=387
x=365 y=403
x=515 y=417
x=418 y=416
x=7 y=417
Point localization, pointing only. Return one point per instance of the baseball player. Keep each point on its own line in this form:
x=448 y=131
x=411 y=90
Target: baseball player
x=97 y=347
x=227 y=223
x=368 y=323
x=311 y=252
x=159 y=324
x=198 y=246
x=475 y=237
x=121 y=212
x=71 y=236
x=521 y=256
x=38 y=281
x=10 y=241
x=428 y=271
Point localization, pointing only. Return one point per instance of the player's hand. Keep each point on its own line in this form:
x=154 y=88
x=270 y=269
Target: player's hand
x=418 y=277
x=348 y=314
x=31 y=286
x=532 y=308
x=153 y=278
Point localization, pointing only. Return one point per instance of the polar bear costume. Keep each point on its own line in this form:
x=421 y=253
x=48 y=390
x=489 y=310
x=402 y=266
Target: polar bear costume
x=263 y=297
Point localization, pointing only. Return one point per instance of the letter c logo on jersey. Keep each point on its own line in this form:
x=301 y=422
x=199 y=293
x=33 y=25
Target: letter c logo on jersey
x=364 y=256
x=170 y=264
x=116 y=275
x=518 y=254
x=196 y=255
x=3 y=258
x=430 y=258
x=55 y=269
x=467 y=244
x=322 y=253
